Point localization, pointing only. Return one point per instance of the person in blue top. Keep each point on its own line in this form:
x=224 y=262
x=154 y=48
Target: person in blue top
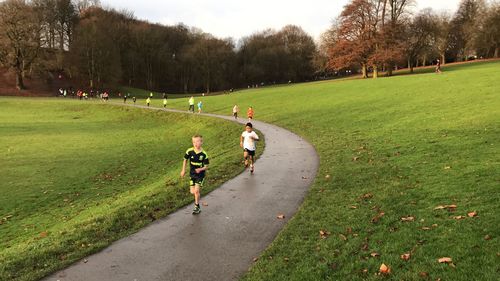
x=200 y=105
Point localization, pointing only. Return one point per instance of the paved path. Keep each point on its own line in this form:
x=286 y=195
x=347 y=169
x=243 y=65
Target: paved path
x=239 y=222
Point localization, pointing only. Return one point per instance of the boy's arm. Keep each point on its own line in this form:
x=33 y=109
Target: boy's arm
x=255 y=136
x=241 y=141
x=199 y=170
x=183 y=171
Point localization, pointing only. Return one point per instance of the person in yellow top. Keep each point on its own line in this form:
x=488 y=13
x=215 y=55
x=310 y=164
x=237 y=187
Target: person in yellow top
x=191 y=104
x=148 y=101
x=164 y=102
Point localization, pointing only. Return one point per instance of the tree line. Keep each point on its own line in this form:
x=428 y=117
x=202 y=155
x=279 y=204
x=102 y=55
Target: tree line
x=104 y=48
x=375 y=35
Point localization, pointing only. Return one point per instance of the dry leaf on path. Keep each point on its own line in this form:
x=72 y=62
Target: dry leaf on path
x=280 y=216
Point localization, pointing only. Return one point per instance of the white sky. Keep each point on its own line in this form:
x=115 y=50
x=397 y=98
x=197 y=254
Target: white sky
x=236 y=18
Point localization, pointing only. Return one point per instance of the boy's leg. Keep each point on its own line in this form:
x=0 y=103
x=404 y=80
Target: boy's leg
x=196 y=192
x=245 y=156
x=252 y=162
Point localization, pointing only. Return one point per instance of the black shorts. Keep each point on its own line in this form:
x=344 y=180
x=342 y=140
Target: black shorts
x=197 y=181
x=250 y=152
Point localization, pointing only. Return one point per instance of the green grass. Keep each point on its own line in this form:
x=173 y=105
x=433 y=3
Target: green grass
x=408 y=143
x=77 y=175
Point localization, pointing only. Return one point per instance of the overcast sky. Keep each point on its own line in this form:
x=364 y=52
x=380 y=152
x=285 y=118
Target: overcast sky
x=236 y=18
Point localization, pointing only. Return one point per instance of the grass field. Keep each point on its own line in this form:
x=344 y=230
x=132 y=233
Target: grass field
x=392 y=150
x=77 y=175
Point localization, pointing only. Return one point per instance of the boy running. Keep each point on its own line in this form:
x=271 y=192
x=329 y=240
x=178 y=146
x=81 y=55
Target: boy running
x=134 y=99
x=250 y=114
x=198 y=161
x=247 y=142
x=148 y=101
x=164 y=102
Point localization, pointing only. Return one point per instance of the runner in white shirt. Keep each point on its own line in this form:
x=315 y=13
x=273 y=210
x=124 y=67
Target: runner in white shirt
x=247 y=142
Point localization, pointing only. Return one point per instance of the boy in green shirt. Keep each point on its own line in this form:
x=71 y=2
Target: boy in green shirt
x=198 y=162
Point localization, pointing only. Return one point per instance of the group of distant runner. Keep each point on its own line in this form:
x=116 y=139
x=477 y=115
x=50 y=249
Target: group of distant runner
x=196 y=157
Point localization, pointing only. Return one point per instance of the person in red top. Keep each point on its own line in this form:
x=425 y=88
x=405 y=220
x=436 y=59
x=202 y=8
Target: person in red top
x=250 y=114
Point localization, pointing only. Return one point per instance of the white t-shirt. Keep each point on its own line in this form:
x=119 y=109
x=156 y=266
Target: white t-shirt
x=248 y=141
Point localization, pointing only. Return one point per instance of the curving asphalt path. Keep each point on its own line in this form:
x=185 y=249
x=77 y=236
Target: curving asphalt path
x=239 y=222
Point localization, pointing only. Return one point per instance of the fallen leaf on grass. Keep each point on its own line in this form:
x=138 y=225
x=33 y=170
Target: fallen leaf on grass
x=324 y=234
x=459 y=217
x=376 y=218
x=43 y=234
x=353 y=207
x=426 y=228
x=472 y=214
x=409 y=218
x=367 y=196
x=487 y=237
x=445 y=260
x=343 y=237
x=255 y=259
x=447 y=167
x=423 y=274
x=441 y=207
x=327 y=176
x=384 y=269
x=405 y=256
x=355 y=158
x=280 y=216
x=375 y=254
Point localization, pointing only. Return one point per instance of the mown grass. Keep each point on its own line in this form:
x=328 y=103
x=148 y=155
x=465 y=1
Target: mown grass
x=77 y=175
x=390 y=148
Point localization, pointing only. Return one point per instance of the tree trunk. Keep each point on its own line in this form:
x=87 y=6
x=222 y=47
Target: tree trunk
x=19 y=80
x=424 y=61
x=375 y=71
x=363 y=70
x=443 y=59
x=389 y=69
x=496 y=52
x=410 y=66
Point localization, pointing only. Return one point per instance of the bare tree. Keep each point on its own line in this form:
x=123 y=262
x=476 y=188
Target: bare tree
x=20 y=29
